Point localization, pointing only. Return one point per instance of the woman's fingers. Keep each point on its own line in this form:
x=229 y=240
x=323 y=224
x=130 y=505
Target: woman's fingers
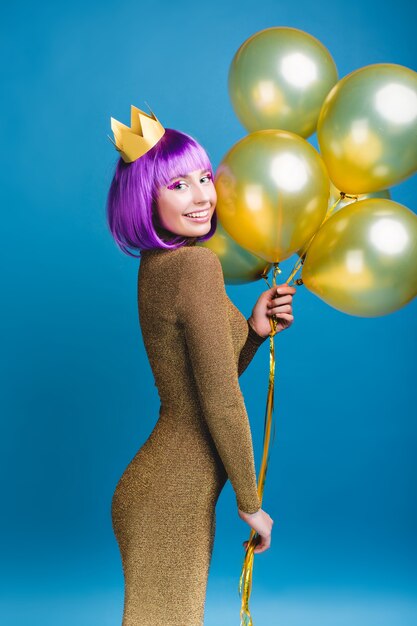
x=263 y=545
x=284 y=316
x=279 y=300
x=262 y=525
x=282 y=308
x=284 y=288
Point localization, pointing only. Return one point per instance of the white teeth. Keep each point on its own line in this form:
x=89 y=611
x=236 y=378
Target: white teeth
x=200 y=214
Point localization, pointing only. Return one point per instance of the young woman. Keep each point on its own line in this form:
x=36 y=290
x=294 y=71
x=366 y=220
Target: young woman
x=198 y=344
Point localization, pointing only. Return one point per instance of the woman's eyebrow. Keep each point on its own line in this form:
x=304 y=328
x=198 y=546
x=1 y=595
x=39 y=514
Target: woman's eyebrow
x=186 y=175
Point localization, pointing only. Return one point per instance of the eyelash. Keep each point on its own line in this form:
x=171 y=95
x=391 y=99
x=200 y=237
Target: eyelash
x=175 y=185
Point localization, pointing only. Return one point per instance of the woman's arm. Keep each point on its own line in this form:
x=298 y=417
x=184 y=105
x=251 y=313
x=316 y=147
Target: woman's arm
x=202 y=310
x=250 y=348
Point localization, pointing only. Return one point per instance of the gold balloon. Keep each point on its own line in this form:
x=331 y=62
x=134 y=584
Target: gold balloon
x=367 y=129
x=279 y=78
x=239 y=266
x=363 y=260
x=272 y=193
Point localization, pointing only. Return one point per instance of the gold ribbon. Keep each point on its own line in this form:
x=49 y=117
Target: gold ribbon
x=245 y=581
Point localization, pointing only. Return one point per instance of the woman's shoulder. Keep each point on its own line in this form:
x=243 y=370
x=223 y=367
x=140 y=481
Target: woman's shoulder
x=199 y=260
x=191 y=261
x=197 y=253
x=185 y=256
x=200 y=279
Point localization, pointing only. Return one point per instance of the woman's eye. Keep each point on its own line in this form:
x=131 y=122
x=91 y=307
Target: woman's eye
x=176 y=185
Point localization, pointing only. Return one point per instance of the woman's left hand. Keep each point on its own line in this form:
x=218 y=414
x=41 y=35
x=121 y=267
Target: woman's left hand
x=277 y=302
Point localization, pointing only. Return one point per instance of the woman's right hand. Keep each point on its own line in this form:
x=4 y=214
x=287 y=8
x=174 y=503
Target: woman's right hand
x=262 y=523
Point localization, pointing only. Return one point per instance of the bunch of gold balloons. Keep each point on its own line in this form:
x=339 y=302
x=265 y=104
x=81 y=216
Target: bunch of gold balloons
x=278 y=195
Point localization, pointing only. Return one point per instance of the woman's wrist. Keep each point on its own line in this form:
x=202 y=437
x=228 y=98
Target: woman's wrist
x=255 y=333
x=240 y=512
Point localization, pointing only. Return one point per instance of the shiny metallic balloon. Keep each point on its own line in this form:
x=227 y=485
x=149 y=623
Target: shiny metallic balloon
x=272 y=193
x=239 y=266
x=367 y=129
x=279 y=78
x=363 y=260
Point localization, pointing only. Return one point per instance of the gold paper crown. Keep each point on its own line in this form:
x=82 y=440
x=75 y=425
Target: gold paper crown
x=134 y=142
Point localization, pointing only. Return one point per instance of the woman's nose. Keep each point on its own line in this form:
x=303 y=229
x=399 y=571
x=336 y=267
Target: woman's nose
x=200 y=195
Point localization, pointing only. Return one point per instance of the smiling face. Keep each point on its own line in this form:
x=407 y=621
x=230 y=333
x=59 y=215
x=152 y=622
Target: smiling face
x=193 y=193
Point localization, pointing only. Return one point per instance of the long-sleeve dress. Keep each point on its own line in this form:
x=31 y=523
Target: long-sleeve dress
x=163 y=508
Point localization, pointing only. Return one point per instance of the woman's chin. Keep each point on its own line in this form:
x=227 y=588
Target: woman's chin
x=198 y=230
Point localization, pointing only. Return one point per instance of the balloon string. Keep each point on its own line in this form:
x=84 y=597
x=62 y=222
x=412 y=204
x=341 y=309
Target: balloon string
x=304 y=249
x=245 y=581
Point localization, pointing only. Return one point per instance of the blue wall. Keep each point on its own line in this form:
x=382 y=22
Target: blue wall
x=78 y=398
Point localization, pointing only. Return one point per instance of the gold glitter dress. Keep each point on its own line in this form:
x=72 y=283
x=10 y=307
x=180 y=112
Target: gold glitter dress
x=163 y=507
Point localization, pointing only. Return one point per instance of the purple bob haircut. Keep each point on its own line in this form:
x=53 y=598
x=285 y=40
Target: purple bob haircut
x=131 y=202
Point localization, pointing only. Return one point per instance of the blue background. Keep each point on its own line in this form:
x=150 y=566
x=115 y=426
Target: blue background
x=77 y=395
